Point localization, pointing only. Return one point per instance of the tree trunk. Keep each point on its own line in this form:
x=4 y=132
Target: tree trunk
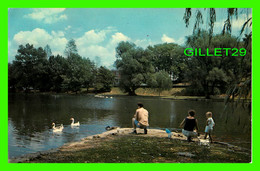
x=207 y=93
x=131 y=93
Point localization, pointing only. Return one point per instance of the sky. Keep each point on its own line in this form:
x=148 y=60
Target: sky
x=97 y=31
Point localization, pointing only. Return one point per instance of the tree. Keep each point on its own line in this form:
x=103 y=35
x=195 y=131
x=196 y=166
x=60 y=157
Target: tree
x=57 y=66
x=169 y=57
x=11 y=78
x=47 y=50
x=211 y=75
x=78 y=73
x=162 y=81
x=88 y=73
x=212 y=19
x=134 y=65
x=71 y=48
x=98 y=61
x=241 y=86
x=31 y=68
x=104 y=79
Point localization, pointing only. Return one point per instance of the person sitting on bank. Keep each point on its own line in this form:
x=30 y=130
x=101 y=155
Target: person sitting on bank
x=190 y=124
x=140 y=119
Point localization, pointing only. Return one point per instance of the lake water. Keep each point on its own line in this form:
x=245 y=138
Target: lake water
x=30 y=117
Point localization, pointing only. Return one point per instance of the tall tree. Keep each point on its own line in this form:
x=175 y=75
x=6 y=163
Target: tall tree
x=47 y=50
x=31 y=68
x=78 y=74
x=169 y=57
x=242 y=86
x=104 y=79
x=11 y=78
x=71 y=48
x=160 y=80
x=57 y=66
x=211 y=75
x=134 y=65
x=97 y=61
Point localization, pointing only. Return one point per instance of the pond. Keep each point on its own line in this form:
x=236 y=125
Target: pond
x=30 y=117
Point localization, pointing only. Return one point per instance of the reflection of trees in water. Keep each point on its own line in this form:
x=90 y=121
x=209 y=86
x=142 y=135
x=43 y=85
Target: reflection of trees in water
x=33 y=114
x=169 y=114
x=237 y=116
x=160 y=112
x=24 y=114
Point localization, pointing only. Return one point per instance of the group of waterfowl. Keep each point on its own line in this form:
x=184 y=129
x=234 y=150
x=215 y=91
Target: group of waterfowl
x=101 y=96
x=60 y=128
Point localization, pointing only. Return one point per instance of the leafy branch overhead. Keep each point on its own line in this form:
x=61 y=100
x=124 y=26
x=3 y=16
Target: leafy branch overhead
x=237 y=71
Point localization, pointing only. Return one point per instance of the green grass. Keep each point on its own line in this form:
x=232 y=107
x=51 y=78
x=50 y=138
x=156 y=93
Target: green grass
x=146 y=92
x=140 y=149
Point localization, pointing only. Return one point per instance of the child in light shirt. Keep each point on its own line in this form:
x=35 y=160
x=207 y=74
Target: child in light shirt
x=209 y=126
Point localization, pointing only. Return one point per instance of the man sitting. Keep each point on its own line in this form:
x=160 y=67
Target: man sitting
x=140 y=119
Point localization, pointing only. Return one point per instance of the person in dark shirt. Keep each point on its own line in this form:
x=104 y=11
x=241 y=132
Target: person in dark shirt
x=189 y=124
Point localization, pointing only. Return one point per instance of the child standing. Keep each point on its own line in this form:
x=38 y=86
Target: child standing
x=209 y=126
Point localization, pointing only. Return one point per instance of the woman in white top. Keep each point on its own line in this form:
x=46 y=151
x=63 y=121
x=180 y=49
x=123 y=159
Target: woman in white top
x=209 y=126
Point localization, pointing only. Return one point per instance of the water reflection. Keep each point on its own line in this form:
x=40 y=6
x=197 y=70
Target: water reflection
x=31 y=115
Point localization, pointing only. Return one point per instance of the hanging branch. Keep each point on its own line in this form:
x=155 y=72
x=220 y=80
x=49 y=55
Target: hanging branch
x=187 y=16
x=212 y=20
x=227 y=28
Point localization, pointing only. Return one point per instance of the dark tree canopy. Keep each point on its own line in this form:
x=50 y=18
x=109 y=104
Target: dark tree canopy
x=30 y=68
x=135 y=66
x=104 y=80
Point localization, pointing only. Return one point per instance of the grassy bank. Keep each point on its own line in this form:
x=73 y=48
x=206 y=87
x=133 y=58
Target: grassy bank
x=154 y=147
x=147 y=92
x=173 y=94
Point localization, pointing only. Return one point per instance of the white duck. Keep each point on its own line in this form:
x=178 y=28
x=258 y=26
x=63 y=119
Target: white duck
x=58 y=128
x=74 y=124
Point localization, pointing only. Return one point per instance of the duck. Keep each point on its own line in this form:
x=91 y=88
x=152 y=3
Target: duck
x=57 y=129
x=74 y=124
x=108 y=128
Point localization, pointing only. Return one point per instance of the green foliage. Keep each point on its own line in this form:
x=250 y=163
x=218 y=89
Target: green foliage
x=169 y=57
x=104 y=80
x=241 y=87
x=156 y=66
x=57 y=66
x=71 y=48
x=135 y=66
x=162 y=81
x=237 y=70
x=78 y=74
x=212 y=19
x=47 y=50
x=211 y=74
x=30 y=68
x=12 y=80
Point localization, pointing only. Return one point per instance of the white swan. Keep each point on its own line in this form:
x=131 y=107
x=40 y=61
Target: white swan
x=74 y=124
x=58 y=128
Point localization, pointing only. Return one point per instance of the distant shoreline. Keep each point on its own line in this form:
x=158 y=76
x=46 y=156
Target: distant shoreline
x=173 y=94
